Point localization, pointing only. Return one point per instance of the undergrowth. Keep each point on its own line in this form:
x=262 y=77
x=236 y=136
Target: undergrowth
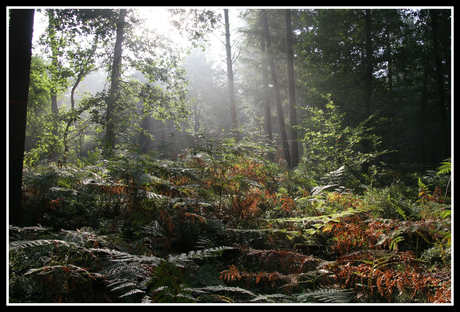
x=227 y=226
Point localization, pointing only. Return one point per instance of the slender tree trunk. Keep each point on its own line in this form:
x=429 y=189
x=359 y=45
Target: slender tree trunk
x=20 y=52
x=54 y=65
x=390 y=64
x=423 y=102
x=115 y=82
x=367 y=86
x=440 y=84
x=85 y=69
x=231 y=88
x=279 y=108
x=267 y=100
x=291 y=86
x=71 y=118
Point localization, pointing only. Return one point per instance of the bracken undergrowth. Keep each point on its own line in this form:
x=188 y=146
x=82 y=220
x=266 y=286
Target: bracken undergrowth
x=223 y=227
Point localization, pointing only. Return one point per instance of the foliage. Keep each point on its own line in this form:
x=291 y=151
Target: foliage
x=331 y=143
x=180 y=212
x=332 y=62
x=222 y=226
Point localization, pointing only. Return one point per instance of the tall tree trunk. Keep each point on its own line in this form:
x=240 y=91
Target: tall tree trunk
x=54 y=65
x=279 y=108
x=367 y=87
x=19 y=56
x=423 y=102
x=115 y=82
x=390 y=64
x=267 y=100
x=54 y=62
x=231 y=88
x=440 y=84
x=85 y=69
x=291 y=86
x=71 y=118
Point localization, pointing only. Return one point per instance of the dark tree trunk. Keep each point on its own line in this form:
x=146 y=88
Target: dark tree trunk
x=440 y=84
x=267 y=99
x=279 y=108
x=423 y=102
x=20 y=48
x=291 y=86
x=115 y=82
x=367 y=87
x=231 y=88
x=390 y=62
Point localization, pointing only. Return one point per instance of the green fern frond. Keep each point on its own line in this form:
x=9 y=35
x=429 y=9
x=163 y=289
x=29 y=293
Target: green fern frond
x=317 y=190
x=126 y=289
x=69 y=269
x=205 y=275
x=120 y=256
x=272 y=298
x=225 y=289
x=401 y=212
x=122 y=286
x=40 y=242
x=445 y=168
x=132 y=292
x=395 y=241
x=29 y=243
x=27 y=229
x=126 y=279
x=198 y=254
x=326 y=295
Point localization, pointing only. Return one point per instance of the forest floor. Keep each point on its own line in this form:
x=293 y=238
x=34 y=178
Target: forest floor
x=228 y=227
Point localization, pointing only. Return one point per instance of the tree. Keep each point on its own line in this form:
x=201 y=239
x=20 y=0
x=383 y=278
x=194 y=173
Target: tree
x=19 y=57
x=231 y=88
x=59 y=74
x=55 y=50
x=156 y=89
x=267 y=101
x=279 y=108
x=291 y=86
x=367 y=86
x=440 y=85
x=115 y=81
x=404 y=78
x=40 y=124
x=83 y=65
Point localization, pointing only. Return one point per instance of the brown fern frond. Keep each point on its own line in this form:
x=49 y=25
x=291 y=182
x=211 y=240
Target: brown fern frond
x=230 y=274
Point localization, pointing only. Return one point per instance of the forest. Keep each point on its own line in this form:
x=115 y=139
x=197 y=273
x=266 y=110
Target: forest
x=243 y=155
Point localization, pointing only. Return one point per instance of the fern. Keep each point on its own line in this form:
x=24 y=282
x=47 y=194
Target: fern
x=445 y=168
x=127 y=275
x=273 y=298
x=206 y=274
x=185 y=258
x=162 y=230
x=318 y=190
x=326 y=295
x=395 y=241
x=224 y=289
x=167 y=284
